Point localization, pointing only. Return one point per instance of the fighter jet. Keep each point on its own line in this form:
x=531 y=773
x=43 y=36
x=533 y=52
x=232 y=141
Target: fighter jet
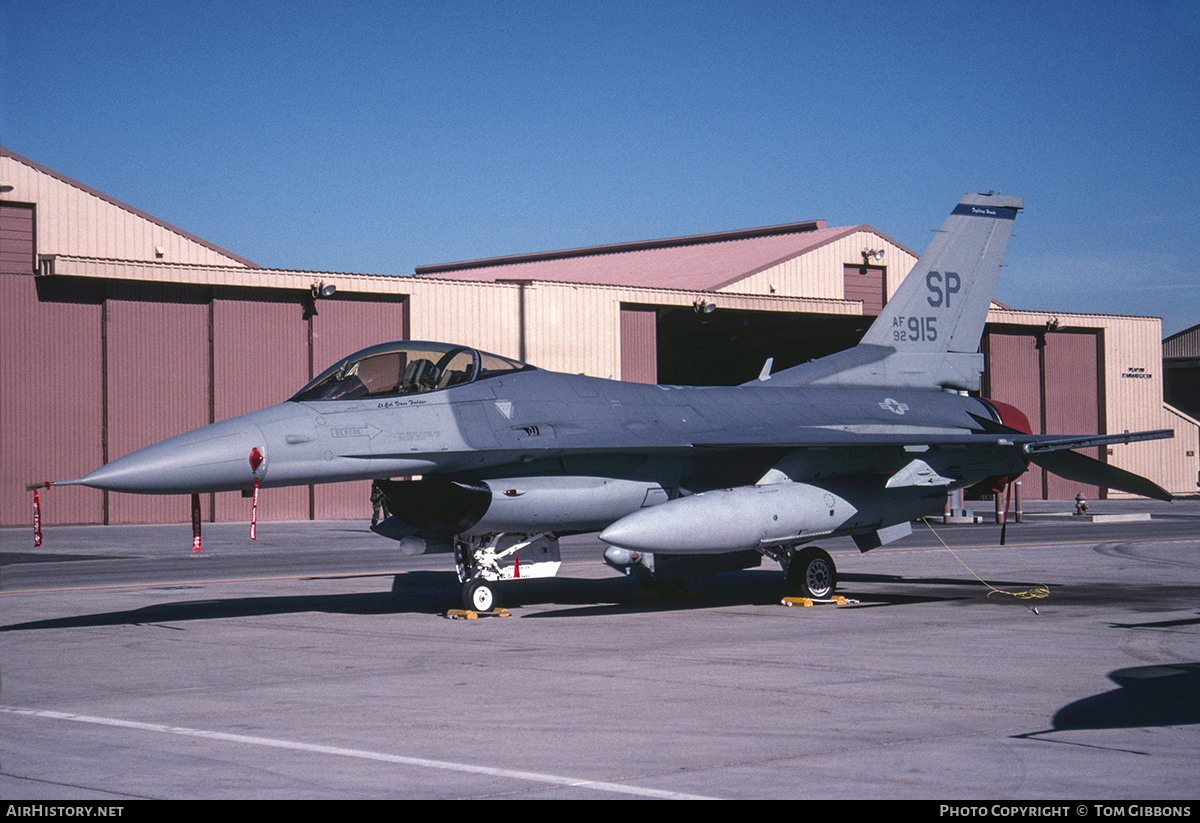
x=493 y=459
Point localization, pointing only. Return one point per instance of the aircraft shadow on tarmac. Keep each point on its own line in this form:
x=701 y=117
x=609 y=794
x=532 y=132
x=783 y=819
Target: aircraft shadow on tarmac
x=19 y=558
x=1147 y=696
x=432 y=592
x=746 y=588
x=424 y=591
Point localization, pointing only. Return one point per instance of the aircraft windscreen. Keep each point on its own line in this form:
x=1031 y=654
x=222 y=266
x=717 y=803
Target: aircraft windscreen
x=393 y=369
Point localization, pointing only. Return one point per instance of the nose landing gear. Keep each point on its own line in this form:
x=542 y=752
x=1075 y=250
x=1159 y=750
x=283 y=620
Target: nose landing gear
x=482 y=565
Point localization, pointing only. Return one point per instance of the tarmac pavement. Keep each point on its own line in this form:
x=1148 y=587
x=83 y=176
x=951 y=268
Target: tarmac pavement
x=317 y=662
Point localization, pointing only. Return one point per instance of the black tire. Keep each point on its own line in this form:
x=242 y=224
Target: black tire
x=479 y=596
x=812 y=573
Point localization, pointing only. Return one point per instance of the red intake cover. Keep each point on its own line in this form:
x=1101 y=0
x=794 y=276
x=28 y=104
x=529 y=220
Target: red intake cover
x=1010 y=416
x=1014 y=418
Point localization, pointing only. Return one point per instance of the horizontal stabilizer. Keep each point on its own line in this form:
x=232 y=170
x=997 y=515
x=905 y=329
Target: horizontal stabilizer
x=1053 y=453
x=1084 y=469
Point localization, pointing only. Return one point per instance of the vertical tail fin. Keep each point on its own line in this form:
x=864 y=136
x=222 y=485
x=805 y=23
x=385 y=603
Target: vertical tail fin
x=928 y=333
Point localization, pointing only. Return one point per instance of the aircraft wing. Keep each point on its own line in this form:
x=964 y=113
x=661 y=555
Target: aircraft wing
x=1054 y=443
x=756 y=451
x=1055 y=454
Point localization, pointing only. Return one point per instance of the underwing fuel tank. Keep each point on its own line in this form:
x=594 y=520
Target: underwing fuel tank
x=757 y=517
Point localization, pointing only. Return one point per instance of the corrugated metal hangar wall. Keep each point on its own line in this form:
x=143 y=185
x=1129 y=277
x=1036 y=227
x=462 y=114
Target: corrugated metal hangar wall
x=120 y=330
x=93 y=370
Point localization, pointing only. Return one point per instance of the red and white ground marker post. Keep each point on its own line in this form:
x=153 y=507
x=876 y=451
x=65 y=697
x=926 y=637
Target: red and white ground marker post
x=195 y=524
x=37 y=519
x=256 y=460
x=37 y=510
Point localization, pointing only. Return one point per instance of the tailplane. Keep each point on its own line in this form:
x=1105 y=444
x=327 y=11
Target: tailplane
x=928 y=333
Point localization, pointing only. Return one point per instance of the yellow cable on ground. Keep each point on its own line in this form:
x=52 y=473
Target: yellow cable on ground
x=1036 y=593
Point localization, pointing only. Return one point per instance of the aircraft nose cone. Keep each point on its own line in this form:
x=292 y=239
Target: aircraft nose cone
x=210 y=459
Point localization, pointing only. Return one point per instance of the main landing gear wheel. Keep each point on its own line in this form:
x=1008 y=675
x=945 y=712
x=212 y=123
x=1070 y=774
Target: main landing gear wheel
x=811 y=573
x=479 y=596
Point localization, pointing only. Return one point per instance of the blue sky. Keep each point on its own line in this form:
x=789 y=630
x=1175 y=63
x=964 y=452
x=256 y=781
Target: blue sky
x=379 y=136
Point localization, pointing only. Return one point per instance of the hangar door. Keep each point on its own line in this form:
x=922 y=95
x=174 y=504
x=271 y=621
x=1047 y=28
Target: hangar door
x=639 y=344
x=16 y=239
x=867 y=284
x=727 y=347
x=1054 y=377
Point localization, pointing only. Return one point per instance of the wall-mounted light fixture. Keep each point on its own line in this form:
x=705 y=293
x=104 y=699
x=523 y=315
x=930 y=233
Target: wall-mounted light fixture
x=315 y=292
x=872 y=256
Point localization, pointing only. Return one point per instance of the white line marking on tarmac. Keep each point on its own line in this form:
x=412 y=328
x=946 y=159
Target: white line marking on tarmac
x=421 y=762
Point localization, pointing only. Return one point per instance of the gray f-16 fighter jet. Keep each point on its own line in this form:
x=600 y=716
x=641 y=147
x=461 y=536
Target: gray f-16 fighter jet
x=677 y=480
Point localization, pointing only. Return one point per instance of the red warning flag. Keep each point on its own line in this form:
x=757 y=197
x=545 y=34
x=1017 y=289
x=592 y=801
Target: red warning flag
x=37 y=520
x=256 y=459
x=254 y=513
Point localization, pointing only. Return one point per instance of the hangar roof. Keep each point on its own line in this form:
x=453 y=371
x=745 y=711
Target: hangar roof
x=705 y=262
x=81 y=211
x=1183 y=344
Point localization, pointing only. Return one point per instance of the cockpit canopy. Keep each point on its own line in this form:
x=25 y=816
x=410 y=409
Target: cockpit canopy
x=405 y=367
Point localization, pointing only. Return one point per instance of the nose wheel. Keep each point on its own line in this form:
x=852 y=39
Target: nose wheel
x=479 y=595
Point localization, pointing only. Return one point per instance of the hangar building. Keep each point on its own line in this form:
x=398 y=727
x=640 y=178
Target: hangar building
x=1181 y=370
x=119 y=330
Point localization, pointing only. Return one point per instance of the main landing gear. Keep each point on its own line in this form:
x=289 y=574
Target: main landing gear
x=483 y=563
x=810 y=572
